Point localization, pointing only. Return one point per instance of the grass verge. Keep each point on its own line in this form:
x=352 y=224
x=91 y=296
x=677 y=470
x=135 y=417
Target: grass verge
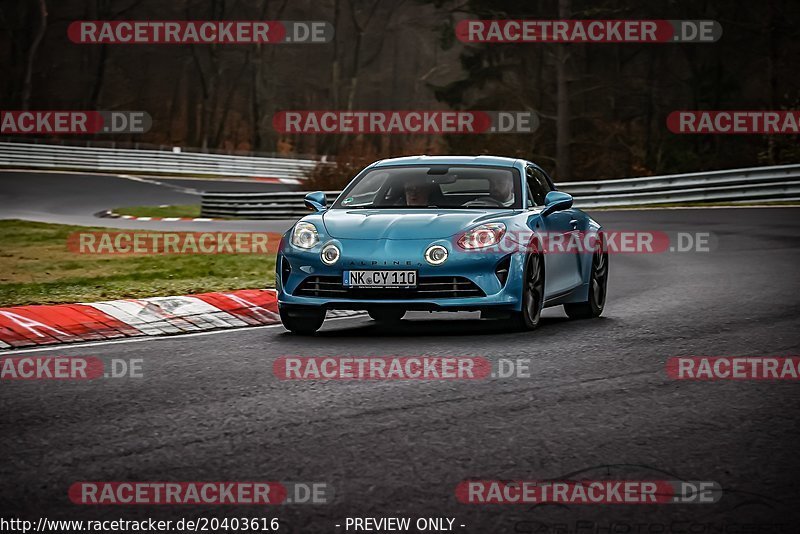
x=37 y=268
x=178 y=210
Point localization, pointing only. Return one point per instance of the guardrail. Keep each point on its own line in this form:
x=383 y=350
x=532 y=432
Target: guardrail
x=32 y=156
x=282 y=205
x=732 y=186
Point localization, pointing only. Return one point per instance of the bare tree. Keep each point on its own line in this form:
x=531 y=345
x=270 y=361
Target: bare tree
x=37 y=39
x=563 y=137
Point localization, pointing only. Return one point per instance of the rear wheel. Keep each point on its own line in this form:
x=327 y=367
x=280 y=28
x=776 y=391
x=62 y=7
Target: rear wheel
x=302 y=321
x=386 y=315
x=598 y=283
x=532 y=294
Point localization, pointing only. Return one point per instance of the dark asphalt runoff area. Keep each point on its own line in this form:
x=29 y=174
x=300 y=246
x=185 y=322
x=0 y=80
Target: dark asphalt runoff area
x=597 y=404
x=75 y=198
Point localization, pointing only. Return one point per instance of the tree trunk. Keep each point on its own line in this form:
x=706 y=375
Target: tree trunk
x=26 y=85
x=772 y=58
x=563 y=167
x=99 y=77
x=335 y=66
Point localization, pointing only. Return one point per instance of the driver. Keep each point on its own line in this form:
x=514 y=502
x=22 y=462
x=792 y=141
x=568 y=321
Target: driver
x=501 y=189
x=418 y=192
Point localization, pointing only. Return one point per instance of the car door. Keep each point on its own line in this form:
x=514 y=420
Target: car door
x=562 y=269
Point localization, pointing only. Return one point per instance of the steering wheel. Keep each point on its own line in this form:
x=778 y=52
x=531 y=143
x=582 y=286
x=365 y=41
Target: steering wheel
x=484 y=201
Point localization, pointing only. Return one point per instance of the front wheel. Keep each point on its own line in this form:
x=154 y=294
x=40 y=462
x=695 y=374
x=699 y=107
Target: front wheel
x=300 y=321
x=532 y=294
x=598 y=283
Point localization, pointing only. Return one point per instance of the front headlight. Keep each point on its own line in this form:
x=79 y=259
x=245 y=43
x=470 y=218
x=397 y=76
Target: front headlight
x=305 y=235
x=485 y=235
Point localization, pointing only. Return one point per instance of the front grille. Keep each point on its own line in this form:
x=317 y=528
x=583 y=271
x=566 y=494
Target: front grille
x=444 y=287
x=428 y=287
x=321 y=286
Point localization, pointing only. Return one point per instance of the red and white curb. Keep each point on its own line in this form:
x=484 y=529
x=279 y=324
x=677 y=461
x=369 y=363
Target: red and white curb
x=108 y=214
x=287 y=181
x=23 y=326
x=241 y=179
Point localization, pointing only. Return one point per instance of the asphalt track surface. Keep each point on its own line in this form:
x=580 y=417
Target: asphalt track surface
x=75 y=198
x=597 y=404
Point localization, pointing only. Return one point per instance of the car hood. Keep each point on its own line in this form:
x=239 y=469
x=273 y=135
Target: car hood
x=404 y=223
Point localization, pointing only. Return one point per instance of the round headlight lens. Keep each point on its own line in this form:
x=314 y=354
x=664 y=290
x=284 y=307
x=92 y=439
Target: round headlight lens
x=330 y=254
x=305 y=235
x=436 y=255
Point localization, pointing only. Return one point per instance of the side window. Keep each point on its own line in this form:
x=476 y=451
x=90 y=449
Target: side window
x=538 y=186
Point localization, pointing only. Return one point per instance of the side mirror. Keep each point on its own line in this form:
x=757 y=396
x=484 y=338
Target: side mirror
x=316 y=201
x=556 y=201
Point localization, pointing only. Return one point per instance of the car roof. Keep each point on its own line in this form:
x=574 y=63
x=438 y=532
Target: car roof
x=498 y=161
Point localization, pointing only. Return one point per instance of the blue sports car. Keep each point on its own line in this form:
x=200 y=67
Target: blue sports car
x=477 y=233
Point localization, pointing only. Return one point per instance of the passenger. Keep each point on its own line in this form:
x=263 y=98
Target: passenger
x=501 y=189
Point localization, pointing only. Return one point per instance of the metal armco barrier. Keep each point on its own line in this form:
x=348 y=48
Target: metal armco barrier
x=731 y=186
x=32 y=156
x=283 y=205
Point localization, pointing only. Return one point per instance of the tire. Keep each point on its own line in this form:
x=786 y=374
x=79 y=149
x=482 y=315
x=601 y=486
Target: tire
x=598 y=286
x=532 y=294
x=386 y=315
x=302 y=322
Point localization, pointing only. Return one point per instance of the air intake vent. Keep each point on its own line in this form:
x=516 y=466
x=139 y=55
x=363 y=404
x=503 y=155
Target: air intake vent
x=428 y=287
x=286 y=268
x=501 y=271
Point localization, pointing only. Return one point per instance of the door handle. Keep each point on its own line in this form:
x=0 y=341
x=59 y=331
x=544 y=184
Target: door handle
x=574 y=224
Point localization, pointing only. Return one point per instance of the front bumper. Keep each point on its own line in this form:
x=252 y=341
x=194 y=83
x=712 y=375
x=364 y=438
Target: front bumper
x=401 y=254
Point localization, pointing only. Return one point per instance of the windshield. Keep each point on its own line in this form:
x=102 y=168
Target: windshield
x=435 y=186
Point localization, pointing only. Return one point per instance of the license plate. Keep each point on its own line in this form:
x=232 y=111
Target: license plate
x=380 y=279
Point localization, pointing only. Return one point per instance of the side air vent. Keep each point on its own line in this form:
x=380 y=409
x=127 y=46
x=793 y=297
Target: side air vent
x=286 y=268
x=501 y=271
